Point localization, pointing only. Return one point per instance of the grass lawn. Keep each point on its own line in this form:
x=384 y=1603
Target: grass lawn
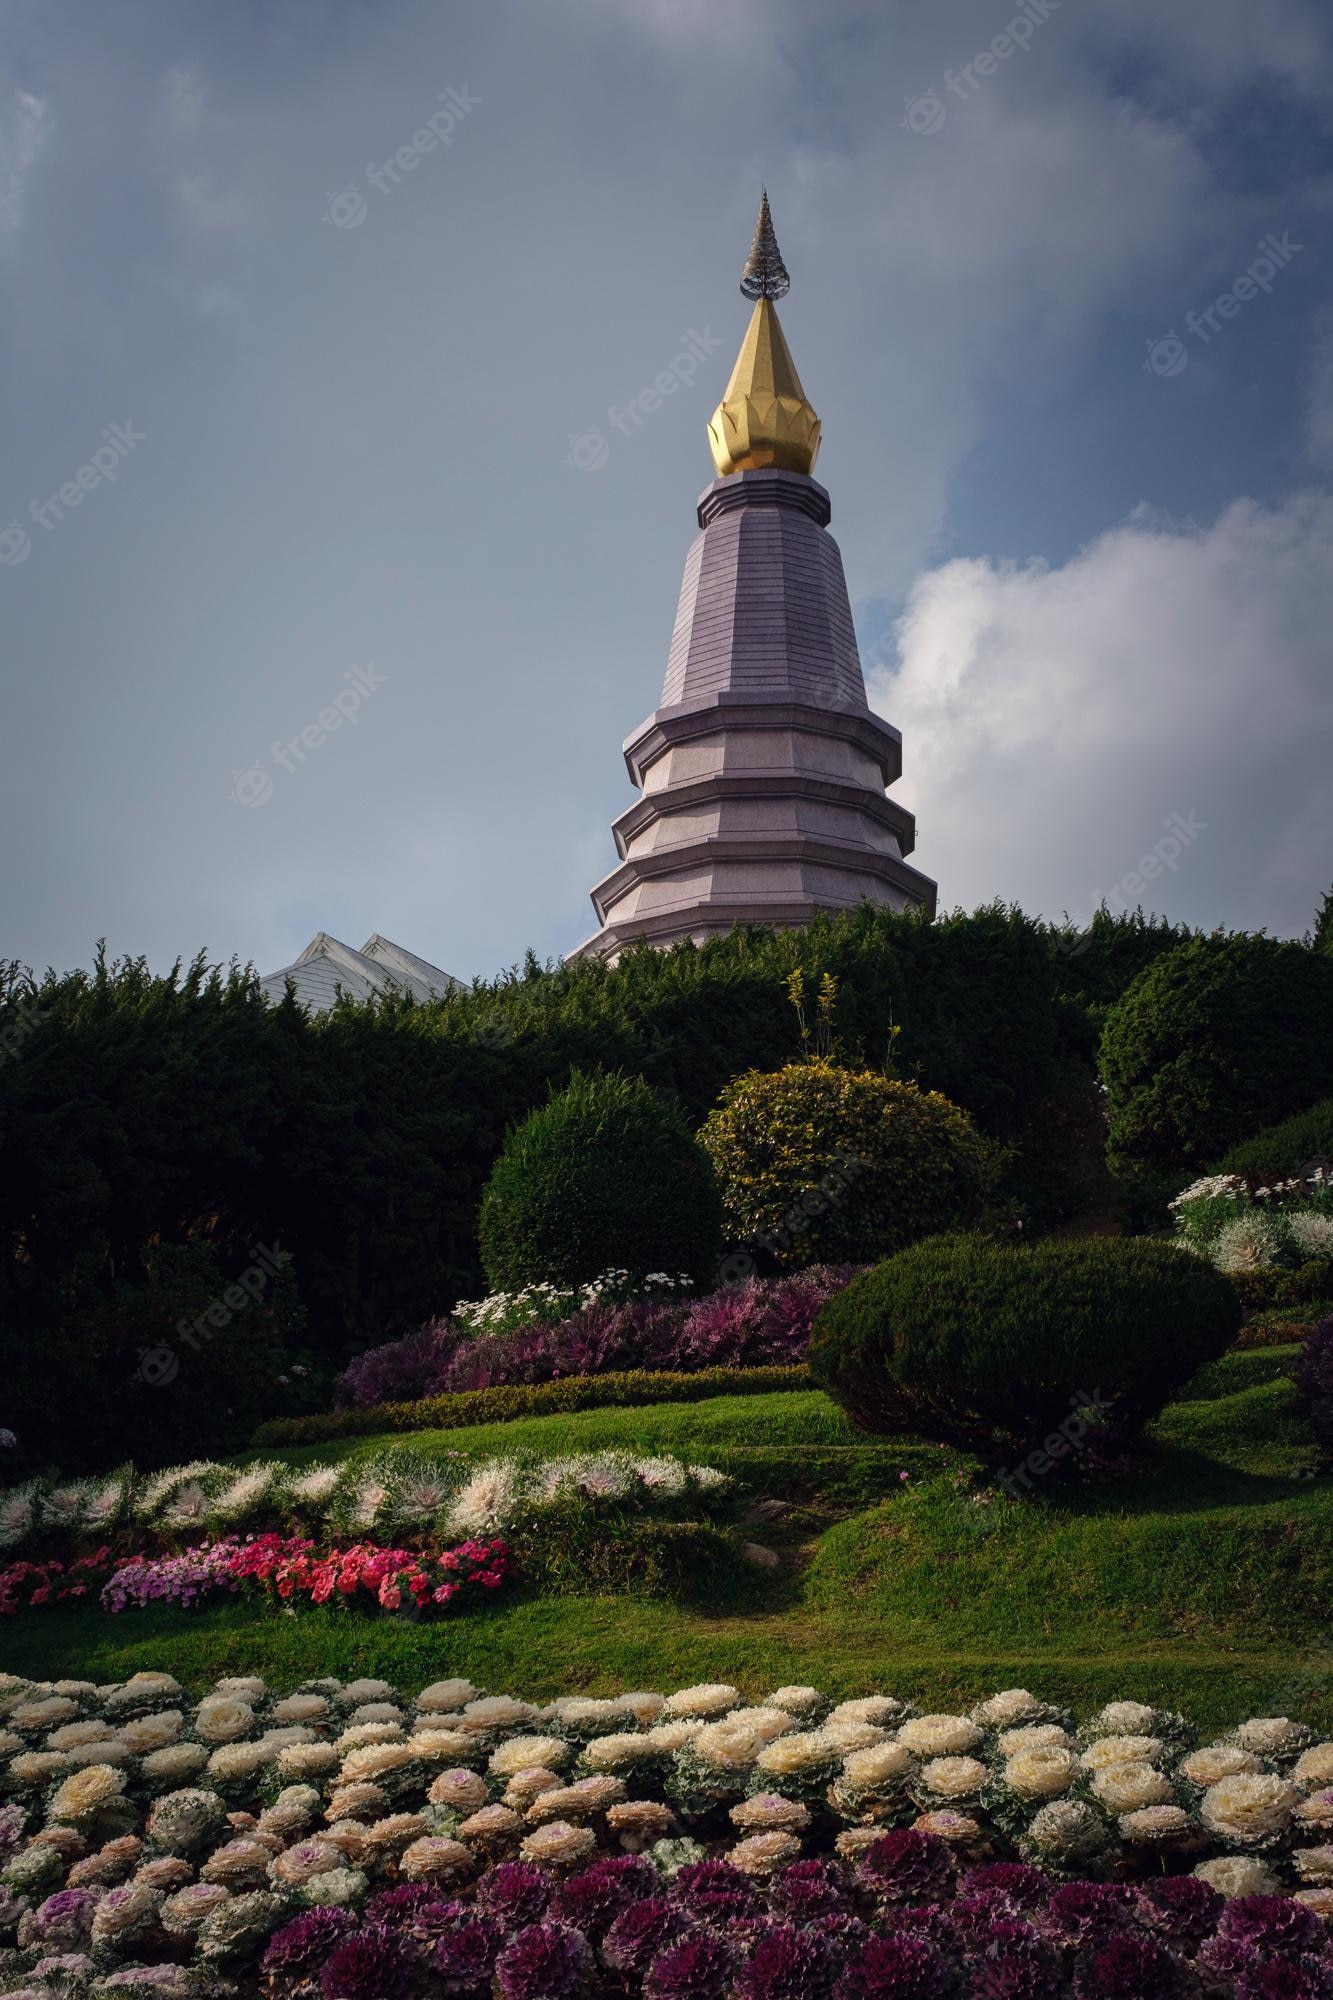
x=1202 y=1582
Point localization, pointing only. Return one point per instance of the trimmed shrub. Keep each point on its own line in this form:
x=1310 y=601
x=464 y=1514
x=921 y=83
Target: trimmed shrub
x=1211 y=1040
x=817 y=1163
x=541 y=1399
x=606 y=1177
x=1313 y=1375
x=1280 y=1151
x=994 y=1348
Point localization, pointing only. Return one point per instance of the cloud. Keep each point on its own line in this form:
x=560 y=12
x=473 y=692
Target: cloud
x=1054 y=719
x=25 y=126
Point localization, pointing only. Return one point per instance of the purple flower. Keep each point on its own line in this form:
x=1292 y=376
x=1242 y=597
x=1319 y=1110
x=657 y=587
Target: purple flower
x=13 y=1819
x=700 y=1967
x=907 y=1867
x=788 y=1963
x=295 y=1953
x=464 y=1959
x=592 y=1900
x=1083 y=1913
x=64 y=1921
x=545 y=1962
x=1180 y=1907
x=809 y=1889
x=417 y=1913
x=514 y=1894
x=640 y=1932
x=1275 y=1925
x=707 y=1878
x=1014 y=1963
x=1284 y=1979
x=370 y=1965
x=897 y=1968
x=1020 y=1887
x=1129 y=1968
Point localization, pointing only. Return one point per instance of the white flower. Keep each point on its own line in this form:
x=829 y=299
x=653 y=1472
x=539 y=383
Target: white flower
x=17 y=1511
x=313 y=1761
x=1249 y=1807
x=1218 y=1760
x=883 y=1767
x=315 y=1487
x=220 y=1719
x=496 y=1711
x=245 y=1492
x=521 y=1753
x=485 y=1504
x=880 y=1710
x=1036 y=1736
x=301 y=1708
x=730 y=1744
x=953 y=1777
x=940 y=1735
x=1238 y=1875
x=710 y=1698
x=792 y=1756
x=1108 y=1750
x=1123 y=1718
x=73 y=1735
x=1314 y=1864
x=1314 y=1767
x=764 y=1853
x=1046 y=1772
x=1311 y=1232
x=1250 y=1243
x=620 y=1752
x=1128 y=1787
x=668 y=1737
x=1155 y=1823
x=1004 y=1710
x=176 y=1765
x=559 y=1845
x=1211 y=1188
x=143 y=1733
x=357 y=1692
x=1272 y=1735
x=442 y=1697
x=847 y=1735
x=85 y=1793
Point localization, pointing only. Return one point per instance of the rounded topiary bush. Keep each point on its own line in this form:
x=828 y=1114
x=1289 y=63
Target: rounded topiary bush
x=824 y=1165
x=1216 y=1039
x=996 y=1348
x=606 y=1177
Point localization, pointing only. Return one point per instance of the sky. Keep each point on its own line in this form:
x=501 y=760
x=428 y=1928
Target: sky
x=343 y=413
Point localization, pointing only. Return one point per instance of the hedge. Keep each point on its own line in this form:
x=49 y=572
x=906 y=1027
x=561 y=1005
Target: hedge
x=530 y=1399
x=1279 y=1150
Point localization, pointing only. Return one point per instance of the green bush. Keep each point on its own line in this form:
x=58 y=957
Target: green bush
x=606 y=1177
x=993 y=1348
x=1280 y=1150
x=537 y=1399
x=1212 y=1040
x=572 y=1552
x=819 y=1164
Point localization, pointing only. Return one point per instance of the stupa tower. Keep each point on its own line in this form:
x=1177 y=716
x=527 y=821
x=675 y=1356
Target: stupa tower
x=763 y=773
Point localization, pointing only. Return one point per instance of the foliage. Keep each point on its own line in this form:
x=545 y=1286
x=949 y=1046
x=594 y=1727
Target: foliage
x=994 y=1348
x=1213 y=1038
x=482 y=1406
x=1313 y=1375
x=1282 y=1150
x=605 y=1176
x=816 y=1162
x=758 y=1322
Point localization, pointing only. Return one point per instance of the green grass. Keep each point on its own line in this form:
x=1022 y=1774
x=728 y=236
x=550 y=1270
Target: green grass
x=1201 y=1582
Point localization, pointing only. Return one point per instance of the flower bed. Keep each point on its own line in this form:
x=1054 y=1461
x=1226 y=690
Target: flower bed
x=415 y=1493
x=284 y=1569
x=543 y=1334
x=342 y=1842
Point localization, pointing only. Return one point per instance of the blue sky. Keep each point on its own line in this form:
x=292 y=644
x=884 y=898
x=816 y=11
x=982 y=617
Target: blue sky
x=1092 y=594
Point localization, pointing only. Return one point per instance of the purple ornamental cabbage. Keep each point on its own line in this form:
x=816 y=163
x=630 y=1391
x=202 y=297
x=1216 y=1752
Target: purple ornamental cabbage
x=1284 y=1979
x=514 y=1894
x=295 y=1954
x=907 y=1867
x=1130 y=1968
x=700 y=1967
x=788 y=1963
x=809 y=1889
x=593 y=1899
x=64 y=1922
x=900 y=1967
x=1085 y=1913
x=1180 y=1907
x=369 y=1965
x=464 y=1959
x=1011 y=1962
x=545 y=1962
x=640 y=1932
x=1276 y=1925
x=1020 y=1887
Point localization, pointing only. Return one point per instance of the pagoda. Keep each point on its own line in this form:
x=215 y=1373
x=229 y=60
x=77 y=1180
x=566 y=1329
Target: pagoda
x=763 y=774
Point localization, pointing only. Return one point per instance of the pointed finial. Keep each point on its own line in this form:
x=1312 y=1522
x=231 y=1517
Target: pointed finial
x=765 y=274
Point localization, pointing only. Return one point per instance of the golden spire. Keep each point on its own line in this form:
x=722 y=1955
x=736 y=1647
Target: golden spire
x=765 y=417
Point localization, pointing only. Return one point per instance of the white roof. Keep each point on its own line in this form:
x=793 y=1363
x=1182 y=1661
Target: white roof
x=328 y=967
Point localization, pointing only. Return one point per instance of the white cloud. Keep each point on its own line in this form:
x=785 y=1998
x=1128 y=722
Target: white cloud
x=1055 y=719
x=25 y=126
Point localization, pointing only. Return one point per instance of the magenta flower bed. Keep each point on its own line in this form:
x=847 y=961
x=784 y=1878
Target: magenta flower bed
x=763 y=1322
